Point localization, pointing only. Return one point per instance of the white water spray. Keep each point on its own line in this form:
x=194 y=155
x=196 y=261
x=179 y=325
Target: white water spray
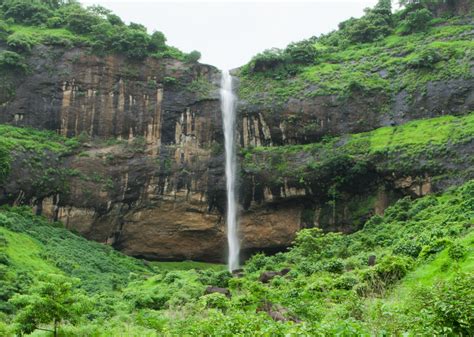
x=228 y=101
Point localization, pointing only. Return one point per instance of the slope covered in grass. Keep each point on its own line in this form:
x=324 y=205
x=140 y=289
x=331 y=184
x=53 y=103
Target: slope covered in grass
x=423 y=251
x=342 y=64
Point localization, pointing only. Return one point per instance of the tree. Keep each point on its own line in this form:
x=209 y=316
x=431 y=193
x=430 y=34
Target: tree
x=157 y=42
x=383 y=7
x=133 y=42
x=26 y=11
x=193 y=56
x=80 y=20
x=416 y=21
x=302 y=52
x=52 y=299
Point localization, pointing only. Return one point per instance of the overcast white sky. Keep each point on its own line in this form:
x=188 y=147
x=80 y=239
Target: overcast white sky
x=228 y=33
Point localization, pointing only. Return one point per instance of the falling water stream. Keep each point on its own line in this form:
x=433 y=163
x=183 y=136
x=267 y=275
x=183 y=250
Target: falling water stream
x=228 y=101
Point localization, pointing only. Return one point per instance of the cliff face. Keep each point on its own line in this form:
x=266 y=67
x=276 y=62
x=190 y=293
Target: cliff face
x=148 y=174
x=148 y=177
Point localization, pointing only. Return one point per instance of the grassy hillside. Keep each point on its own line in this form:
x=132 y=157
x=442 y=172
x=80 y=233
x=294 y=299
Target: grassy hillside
x=25 y=24
x=424 y=262
x=343 y=65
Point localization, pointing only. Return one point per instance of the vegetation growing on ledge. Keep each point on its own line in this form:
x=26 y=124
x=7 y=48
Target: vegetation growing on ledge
x=421 y=282
x=379 y=53
x=387 y=149
x=14 y=140
x=26 y=23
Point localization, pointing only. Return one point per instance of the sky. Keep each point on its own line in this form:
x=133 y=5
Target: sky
x=228 y=33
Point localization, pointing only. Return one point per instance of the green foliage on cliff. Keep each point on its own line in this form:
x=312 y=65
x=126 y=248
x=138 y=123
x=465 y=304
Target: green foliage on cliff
x=14 y=140
x=343 y=160
x=404 y=52
x=421 y=282
x=28 y=23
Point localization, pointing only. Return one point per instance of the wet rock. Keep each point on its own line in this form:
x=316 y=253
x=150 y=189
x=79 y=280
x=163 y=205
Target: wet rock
x=276 y=312
x=214 y=290
x=267 y=276
x=372 y=260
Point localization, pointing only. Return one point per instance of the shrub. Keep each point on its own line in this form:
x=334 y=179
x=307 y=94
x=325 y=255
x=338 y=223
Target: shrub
x=132 y=42
x=448 y=307
x=390 y=269
x=425 y=58
x=216 y=301
x=399 y=211
x=9 y=59
x=193 y=56
x=4 y=30
x=334 y=266
x=346 y=282
x=375 y=24
x=21 y=42
x=435 y=247
x=54 y=22
x=416 y=21
x=268 y=60
x=302 y=52
x=408 y=248
x=157 y=42
x=256 y=262
x=80 y=20
x=26 y=11
x=457 y=251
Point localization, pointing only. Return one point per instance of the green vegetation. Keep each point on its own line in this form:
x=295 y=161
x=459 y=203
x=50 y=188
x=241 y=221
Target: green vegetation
x=421 y=282
x=26 y=23
x=341 y=161
x=380 y=53
x=14 y=140
x=201 y=87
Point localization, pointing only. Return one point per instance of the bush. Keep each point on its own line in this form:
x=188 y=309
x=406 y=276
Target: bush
x=21 y=42
x=448 y=307
x=216 y=301
x=54 y=22
x=457 y=251
x=80 y=20
x=9 y=60
x=408 y=248
x=132 y=42
x=26 y=11
x=346 y=282
x=268 y=60
x=372 y=26
x=193 y=56
x=157 y=42
x=435 y=247
x=334 y=266
x=389 y=270
x=302 y=52
x=416 y=21
x=425 y=58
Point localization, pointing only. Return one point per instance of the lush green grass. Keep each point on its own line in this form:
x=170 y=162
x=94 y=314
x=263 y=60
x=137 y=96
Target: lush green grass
x=100 y=267
x=43 y=35
x=441 y=268
x=414 y=136
x=25 y=253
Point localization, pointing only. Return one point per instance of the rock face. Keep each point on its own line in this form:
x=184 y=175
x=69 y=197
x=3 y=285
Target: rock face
x=149 y=175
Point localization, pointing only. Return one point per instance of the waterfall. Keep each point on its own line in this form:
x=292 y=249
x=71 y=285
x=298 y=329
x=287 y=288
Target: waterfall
x=228 y=101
